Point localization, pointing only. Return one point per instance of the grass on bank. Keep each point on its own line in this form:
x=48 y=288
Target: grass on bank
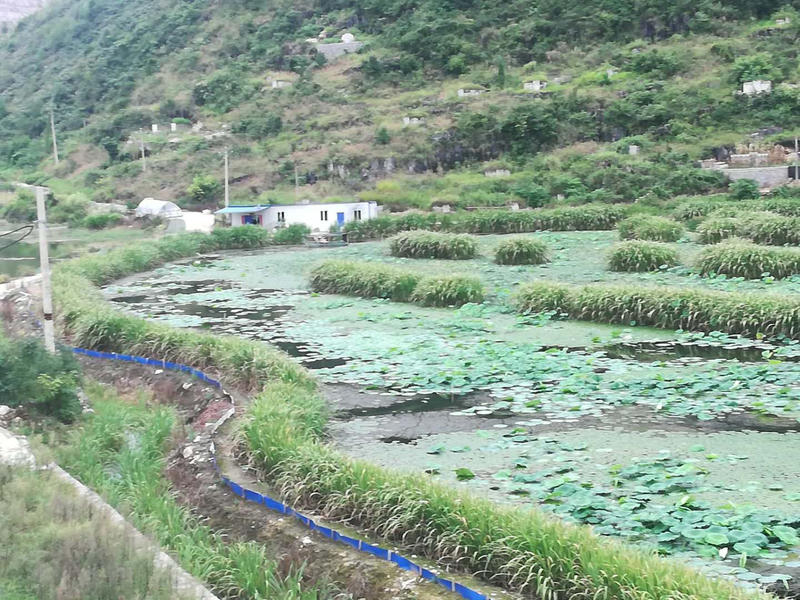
x=651 y=228
x=760 y=227
x=521 y=251
x=640 y=256
x=526 y=551
x=120 y=453
x=54 y=546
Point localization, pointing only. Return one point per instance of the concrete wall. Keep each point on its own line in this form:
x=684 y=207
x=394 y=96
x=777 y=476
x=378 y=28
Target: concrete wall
x=767 y=177
x=310 y=215
x=331 y=51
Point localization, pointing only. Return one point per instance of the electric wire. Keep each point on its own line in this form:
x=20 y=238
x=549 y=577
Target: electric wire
x=28 y=230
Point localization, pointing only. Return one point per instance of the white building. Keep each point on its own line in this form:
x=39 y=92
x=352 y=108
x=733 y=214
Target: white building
x=317 y=217
x=537 y=85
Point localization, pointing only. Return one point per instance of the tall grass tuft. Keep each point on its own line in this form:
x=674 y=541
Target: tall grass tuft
x=760 y=227
x=739 y=258
x=368 y=280
x=431 y=244
x=454 y=290
x=651 y=228
x=521 y=251
x=641 y=256
x=667 y=307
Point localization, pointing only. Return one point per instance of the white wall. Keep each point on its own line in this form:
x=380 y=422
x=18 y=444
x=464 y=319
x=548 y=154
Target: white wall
x=309 y=214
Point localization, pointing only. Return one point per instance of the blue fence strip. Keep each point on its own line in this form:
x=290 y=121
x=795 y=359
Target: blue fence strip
x=274 y=505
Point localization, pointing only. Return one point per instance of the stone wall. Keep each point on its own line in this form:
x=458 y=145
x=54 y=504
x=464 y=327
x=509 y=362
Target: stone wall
x=767 y=177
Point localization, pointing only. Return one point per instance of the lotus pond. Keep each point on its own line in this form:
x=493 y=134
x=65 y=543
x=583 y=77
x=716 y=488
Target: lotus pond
x=681 y=441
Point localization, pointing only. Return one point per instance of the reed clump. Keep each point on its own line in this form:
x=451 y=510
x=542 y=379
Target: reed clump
x=741 y=258
x=640 y=256
x=432 y=244
x=521 y=251
x=650 y=228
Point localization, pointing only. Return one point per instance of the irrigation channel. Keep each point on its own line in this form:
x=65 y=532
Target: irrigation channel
x=680 y=441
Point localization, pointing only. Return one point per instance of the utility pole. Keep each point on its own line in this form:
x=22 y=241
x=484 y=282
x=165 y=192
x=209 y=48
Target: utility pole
x=795 y=159
x=227 y=184
x=53 y=132
x=141 y=146
x=296 y=184
x=44 y=259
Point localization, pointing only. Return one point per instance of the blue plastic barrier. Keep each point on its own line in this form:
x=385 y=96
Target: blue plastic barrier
x=275 y=505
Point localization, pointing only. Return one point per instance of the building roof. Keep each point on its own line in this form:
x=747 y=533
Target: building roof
x=160 y=208
x=243 y=210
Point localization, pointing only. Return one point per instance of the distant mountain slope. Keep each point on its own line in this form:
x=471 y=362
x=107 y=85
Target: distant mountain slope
x=662 y=76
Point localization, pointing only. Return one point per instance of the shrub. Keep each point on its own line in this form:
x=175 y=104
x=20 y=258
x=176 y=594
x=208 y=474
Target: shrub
x=667 y=307
x=745 y=189
x=641 y=256
x=646 y=227
x=245 y=237
x=72 y=210
x=291 y=235
x=716 y=229
x=368 y=280
x=34 y=379
x=739 y=258
x=521 y=251
x=428 y=244
x=696 y=208
x=205 y=189
x=22 y=209
x=454 y=290
x=102 y=221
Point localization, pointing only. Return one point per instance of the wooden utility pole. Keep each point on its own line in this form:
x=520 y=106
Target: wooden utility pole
x=44 y=259
x=141 y=146
x=53 y=133
x=296 y=183
x=227 y=181
x=795 y=159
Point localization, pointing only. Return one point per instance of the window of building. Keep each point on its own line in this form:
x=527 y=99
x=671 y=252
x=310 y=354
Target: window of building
x=357 y=215
x=281 y=217
x=323 y=215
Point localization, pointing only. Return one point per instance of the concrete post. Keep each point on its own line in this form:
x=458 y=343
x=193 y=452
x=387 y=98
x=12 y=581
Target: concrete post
x=44 y=258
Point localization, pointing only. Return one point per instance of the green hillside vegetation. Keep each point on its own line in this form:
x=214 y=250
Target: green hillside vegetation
x=662 y=77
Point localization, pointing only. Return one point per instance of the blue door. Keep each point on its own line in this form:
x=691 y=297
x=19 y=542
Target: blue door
x=340 y=219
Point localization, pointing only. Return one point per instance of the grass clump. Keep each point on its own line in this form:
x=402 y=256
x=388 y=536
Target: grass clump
x=667 y=307
x=102 y=221
x=44 y=384
x=292 y=235
x=367 y=280
x=651 y=228
x=454 y=290
x=54 y=546
x=521 y=251
x=640 y=256
x=430 y=244
x=740 y=258
x=760 y=227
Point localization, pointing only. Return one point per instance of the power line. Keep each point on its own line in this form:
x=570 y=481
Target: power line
x=29 y=229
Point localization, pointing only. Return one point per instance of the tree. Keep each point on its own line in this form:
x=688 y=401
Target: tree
x=745 y=189
x=382 y=136
x=204 y=189
x=529 y=128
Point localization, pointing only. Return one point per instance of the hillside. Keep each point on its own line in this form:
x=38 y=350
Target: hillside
x=388 y=122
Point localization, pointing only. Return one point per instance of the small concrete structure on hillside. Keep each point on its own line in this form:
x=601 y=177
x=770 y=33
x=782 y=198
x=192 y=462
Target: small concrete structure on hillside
x=537 y=85
x=467 y=92
x=633 y=149
x=279 y=84
x=752 y=88
x=348 y=45
x=317 y=217
x=497 y=173
x=413 y=121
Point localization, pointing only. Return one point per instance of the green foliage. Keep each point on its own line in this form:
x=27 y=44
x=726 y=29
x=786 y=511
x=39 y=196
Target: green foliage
x=647 y=227
x=570 y=218
x=753 y=67
x=102 y=221
x=72 y=210
x=224 y=90
x=454 y=290
x=363 y=279
x=660 y=64
x=639 y=255
x=291 y=235
x=130 y=477
x=738 y=258
x=745 y=189
x=259 y=124
x=429 y=244
x=36 y=380
x=22 y=209
x=205 y=189
x=667 y=307
x=382 y=136
x=521 y=251
x=532 y=193
x=57 y=546
x=760 y=227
